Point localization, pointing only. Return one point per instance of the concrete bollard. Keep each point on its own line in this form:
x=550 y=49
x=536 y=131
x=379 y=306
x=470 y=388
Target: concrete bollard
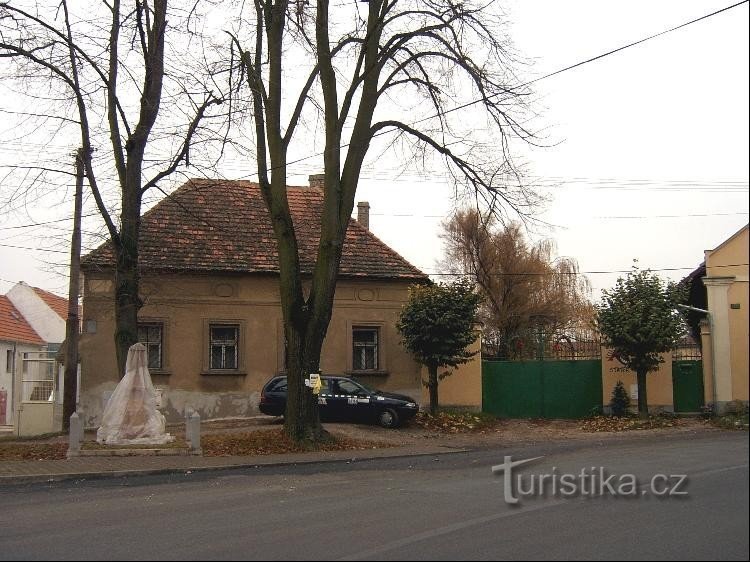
x=81 y=417
x=75 y=436
x=193 y=432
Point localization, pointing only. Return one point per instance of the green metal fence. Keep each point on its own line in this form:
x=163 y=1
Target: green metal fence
x=541 y=389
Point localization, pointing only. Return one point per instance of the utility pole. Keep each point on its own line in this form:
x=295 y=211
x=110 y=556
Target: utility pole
x=72 y=324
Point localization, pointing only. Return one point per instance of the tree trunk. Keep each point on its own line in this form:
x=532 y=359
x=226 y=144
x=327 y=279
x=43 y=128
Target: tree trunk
x=432 y=385
x=642 y=396
x=302 y=419
x=127 y=282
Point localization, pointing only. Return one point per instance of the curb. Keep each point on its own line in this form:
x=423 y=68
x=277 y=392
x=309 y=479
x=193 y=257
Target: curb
x=101 y=475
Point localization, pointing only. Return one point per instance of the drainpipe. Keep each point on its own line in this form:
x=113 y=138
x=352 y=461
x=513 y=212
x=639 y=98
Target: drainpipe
x=713 y=347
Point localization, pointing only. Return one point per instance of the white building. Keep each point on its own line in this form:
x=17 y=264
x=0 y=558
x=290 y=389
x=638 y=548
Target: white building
x=32 y=328
x=17 y=340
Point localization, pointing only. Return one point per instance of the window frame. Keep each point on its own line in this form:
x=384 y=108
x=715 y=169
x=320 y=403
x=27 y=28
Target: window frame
x=164 y=368
x=142 y=324
x=364 y=350
x=381 y=347
x=241 y=349
x=227 y=362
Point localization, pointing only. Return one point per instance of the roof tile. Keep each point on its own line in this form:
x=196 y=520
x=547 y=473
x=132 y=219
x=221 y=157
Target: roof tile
x=224 y=226
x=14 y=327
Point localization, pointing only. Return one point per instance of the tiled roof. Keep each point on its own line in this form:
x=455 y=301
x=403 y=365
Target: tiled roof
x=55 y=302
x=13 y=326
x=224 y=226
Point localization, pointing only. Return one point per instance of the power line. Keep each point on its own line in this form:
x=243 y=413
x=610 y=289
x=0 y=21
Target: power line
x=33 y=249
x=544 y=77
x=540 y=273
x=45 y=223
x=690 y=215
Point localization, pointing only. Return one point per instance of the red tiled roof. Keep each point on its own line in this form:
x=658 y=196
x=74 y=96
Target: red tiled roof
x=224 y=226
x=13 y=326
x=55 y=302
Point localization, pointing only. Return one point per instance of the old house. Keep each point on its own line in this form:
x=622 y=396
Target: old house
x=211 y=318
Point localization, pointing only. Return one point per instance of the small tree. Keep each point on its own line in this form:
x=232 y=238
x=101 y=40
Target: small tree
x=620 y=401
x=437 y=325
x=639 y=321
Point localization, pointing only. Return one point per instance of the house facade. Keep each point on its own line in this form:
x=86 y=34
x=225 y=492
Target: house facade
x=725 y=334
x=211 y=318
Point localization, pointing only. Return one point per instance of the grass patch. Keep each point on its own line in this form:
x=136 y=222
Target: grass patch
x=276 y=442
x=732 y=421
x=614 y=424
x=448 y=421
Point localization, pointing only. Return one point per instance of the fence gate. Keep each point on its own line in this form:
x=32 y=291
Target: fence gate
x=687 y=386
x=541 y=389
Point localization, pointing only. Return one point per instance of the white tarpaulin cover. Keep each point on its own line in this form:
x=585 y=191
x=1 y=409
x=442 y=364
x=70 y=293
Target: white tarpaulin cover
x=130 y=416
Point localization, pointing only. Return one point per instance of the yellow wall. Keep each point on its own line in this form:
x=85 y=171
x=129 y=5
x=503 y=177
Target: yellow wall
x=658 y=383
x=463 y=389
x=730 y=259
x=185 y=305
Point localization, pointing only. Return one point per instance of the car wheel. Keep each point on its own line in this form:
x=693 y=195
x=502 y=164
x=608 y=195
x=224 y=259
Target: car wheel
x=388 y=418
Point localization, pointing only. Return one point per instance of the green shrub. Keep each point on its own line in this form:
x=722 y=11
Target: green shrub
x=620 y=402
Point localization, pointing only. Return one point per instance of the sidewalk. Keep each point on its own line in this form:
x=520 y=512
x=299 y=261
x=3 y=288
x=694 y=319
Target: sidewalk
x=405 y=442
x=30 y=471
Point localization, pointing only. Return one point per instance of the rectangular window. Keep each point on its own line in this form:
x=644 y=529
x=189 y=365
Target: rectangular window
x=365 y=349
x=9 y=361
x=224 y=346
x=151 y=335
x=25 y=367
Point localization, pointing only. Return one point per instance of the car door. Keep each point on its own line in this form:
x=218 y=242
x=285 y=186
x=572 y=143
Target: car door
x=355 y=401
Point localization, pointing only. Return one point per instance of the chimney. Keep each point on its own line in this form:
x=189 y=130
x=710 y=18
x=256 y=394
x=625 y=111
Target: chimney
x=317 y=180
x=363 y=214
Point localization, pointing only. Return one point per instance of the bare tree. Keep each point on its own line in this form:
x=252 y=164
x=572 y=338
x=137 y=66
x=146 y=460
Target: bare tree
x=106 y=67
x=434 y=74
x=525 y=287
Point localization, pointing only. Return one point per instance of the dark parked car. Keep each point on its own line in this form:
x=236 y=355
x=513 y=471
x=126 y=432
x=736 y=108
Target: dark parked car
x=343 y=399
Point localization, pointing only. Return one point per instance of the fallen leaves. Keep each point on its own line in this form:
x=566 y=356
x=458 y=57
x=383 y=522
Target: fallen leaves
x=276 y=442
x=33 y=452
x=614 y=424
x=455 y=422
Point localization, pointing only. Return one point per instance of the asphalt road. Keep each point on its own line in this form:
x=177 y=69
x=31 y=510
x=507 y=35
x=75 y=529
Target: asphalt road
x=447 y=507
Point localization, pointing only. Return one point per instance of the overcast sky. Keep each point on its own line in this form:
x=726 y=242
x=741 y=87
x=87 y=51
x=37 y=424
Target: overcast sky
x=647 y=149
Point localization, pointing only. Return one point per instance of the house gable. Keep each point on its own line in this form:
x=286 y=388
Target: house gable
x=44 y=311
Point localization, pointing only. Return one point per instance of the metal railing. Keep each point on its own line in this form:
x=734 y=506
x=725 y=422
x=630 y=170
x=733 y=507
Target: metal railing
x=38 y=376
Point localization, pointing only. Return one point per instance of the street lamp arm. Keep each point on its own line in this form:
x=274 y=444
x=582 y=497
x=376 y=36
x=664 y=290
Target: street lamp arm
x=694 y=309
